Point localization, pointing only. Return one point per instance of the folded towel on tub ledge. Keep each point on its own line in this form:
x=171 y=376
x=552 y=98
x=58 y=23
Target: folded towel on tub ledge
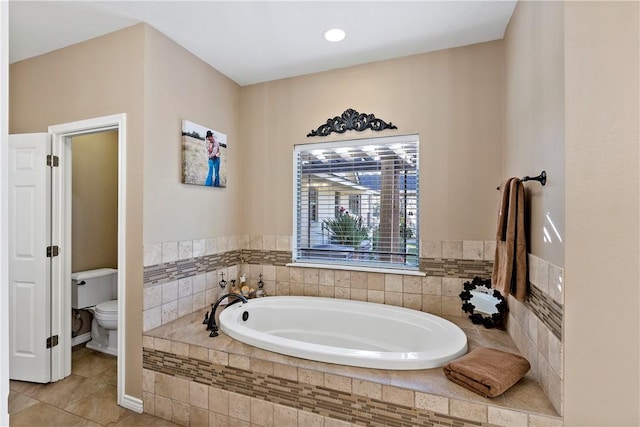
x=487 y=371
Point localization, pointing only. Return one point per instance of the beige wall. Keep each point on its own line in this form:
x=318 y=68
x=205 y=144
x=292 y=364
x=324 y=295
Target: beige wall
x=452 y=98
x=534 y=119
x=96 y=78
x=178 y=86
x=602 y=322
x=94 y=233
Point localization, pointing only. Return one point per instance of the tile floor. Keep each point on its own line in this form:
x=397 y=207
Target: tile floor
x=87 y=398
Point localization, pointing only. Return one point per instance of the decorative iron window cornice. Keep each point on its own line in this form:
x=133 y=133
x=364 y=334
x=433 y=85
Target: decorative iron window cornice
x=351 y=120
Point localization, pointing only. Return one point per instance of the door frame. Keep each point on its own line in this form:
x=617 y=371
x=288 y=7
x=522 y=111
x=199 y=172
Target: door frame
x=61 y=199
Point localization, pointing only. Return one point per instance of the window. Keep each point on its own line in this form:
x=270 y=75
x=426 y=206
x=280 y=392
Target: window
x=357 y=202
x=313 y=204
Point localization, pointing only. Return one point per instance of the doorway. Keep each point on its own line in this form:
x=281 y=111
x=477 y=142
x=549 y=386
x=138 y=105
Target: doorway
x=53 y=304
x=61 y=215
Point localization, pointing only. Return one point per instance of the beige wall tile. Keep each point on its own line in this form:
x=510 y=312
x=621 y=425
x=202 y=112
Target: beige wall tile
x=467 y=410
x=239 y=361
x=367 y=388
x=393 y=298
x=308 y=419
x=262 y=366
x=328 y=291
x=239 y=406
x=282 y=288
x=284 y=416
x=359 y=294
x=148 y=342
x=162 y=384
x=148 y=403
x=326 y=278
x=412 y=301
x=337 y=382
x=473 y=249
x=432 y=304
x=308 y=376
x=393 y=282
x=310 y=290
x=359 y=280
x=311 y=276
x=433 y=403
x=296 y=275
x=489 y=250
x=163 y=345
x=375 y=281
x=342 y=278
x=162 y=407
x=375 y=296
x=432 y=285
x=332 y=422
x=282 y=273
x=431 y=248
x=197 y=352
x=285 y=371
x=180 y=413
x=179 y=348
x=541 y=421
x=452 y=306
x=198 y=417
x=218 y=401
x=296 y=289
x=217 y=420
x=451 y=287
x=506 y=417
x=397 y=395
x=148 y=380
x=412 y=284
x=452 y=249
x=218 y=357
x=342 y=293
x=199 y=395
x=261 y=413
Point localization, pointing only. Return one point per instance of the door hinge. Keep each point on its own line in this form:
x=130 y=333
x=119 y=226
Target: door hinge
x=52 y=341
x=52 y=251
x=53 y=161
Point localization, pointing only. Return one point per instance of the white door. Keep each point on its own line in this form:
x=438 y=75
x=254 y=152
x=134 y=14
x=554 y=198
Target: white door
x=29 y=265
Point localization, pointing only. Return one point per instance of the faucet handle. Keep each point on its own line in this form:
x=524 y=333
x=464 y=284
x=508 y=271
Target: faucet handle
x=206 y=318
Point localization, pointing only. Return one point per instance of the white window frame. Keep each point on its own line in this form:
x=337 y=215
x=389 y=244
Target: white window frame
x=299 y=206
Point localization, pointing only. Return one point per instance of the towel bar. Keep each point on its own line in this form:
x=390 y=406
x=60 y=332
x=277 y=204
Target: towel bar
x=542 y=179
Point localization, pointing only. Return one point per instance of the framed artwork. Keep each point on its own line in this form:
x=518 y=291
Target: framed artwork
x=204 y=155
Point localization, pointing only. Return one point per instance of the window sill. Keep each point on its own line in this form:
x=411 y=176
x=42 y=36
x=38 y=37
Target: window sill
x=357 y=268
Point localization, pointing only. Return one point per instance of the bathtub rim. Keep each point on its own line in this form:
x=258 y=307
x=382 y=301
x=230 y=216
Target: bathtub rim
x=359 y=358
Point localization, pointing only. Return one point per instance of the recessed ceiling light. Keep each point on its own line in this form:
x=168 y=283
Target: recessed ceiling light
x=334 y=35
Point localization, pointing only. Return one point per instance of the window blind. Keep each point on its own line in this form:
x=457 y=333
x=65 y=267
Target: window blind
x=356 y=202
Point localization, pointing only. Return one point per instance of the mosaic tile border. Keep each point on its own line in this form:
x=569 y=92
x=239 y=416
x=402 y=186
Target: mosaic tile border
x=546 y=309
x=327 y=402
x=169 y=271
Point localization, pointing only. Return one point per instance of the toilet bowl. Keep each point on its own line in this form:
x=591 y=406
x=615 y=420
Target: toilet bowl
x=96 y=291
x=104 y=327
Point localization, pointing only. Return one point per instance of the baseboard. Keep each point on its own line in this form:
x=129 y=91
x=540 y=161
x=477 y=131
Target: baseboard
x=132 y=403
x=80 y=339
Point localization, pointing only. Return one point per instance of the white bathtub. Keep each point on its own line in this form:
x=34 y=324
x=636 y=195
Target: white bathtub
x=345 y=332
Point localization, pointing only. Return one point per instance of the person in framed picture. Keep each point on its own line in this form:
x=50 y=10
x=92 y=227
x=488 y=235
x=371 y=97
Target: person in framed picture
x=213 y=153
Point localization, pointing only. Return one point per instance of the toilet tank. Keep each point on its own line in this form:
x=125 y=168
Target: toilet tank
x=92 y=287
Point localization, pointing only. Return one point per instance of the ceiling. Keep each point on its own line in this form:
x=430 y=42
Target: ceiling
x=257 y=41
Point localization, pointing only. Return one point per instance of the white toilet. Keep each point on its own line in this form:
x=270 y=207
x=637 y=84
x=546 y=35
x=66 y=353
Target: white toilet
x=97 y=291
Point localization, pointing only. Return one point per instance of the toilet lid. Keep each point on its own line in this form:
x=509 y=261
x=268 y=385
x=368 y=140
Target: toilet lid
x=107 y=307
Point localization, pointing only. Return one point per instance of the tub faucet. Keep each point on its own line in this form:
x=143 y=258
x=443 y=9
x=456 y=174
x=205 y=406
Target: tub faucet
x=211 y=324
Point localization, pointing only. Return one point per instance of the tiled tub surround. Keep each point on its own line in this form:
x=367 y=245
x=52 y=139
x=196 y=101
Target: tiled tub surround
x=192 y=379
x=183 y=277
x=536 y=327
